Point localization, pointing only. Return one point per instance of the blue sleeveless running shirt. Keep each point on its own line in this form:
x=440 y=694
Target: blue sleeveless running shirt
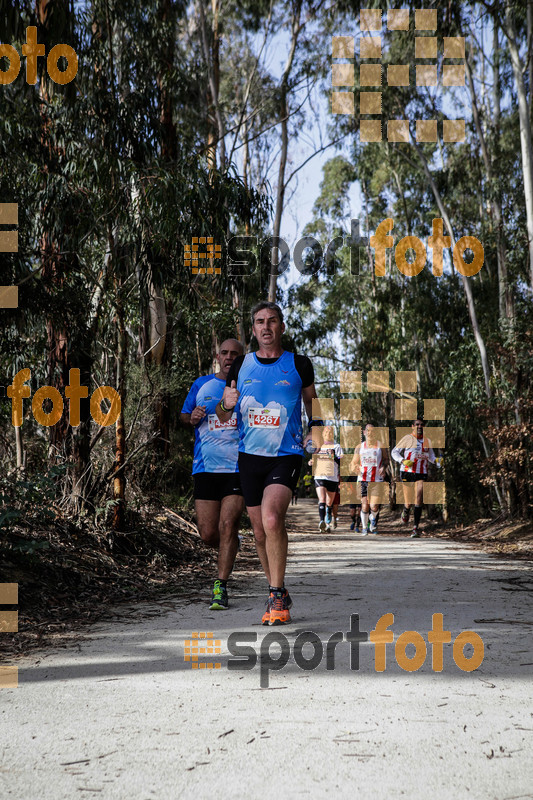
x=215 y=442
x=269 y=411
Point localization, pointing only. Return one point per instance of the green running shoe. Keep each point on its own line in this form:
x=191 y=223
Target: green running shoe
x=219 y=601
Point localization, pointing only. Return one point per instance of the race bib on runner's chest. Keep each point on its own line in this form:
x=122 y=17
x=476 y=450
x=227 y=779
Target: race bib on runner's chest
x=263 y=417
x=215 y=424
x=369 y=460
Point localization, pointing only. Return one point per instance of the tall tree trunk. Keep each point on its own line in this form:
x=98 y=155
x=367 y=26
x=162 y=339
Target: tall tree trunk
x=119 y=477
x=504 y=294
x=54 y=264
x=525 y=125
x=466 y=281
x=529 y=55
x=19 y=445
x=81 y=440
x=212 y=59
x=283 y=120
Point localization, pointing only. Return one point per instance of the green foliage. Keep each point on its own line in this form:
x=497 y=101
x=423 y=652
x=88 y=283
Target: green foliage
x=29 y=500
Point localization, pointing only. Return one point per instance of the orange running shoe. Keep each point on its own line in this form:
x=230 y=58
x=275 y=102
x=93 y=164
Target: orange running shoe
x=279 y=608
x=287 y=603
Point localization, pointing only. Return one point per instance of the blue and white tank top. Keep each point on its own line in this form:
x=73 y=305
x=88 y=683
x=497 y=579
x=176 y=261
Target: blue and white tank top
x=269 y=411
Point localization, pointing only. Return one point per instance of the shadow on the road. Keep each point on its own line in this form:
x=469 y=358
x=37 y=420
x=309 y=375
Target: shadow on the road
x=470 y=590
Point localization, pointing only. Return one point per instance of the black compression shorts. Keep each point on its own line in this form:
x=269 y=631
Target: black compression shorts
x=257 y=472
x=216 y=485
x=412 y=477
x=331 y=486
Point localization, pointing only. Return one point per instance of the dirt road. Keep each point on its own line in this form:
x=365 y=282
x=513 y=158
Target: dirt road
x=123 y=715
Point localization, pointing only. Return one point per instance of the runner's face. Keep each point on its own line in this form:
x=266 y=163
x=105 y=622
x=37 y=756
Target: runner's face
x=227 y=354
x=268 y=328
x=418 y=429
x=328 y=434
x=370 y=435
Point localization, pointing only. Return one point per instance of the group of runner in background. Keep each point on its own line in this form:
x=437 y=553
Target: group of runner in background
x=248 y=451
x=369 y=465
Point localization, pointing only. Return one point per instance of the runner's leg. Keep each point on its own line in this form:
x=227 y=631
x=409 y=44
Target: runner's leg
x=276 y=500
x=330 y=497
x=231 y=509
x=365 y=508
x=321 y=494
x=254 y=512
x=419 y=493
x=207 y=517
x=406 y=506
x=374 y=510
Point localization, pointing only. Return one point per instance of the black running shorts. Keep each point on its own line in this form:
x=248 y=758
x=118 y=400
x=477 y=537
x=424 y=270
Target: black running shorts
x=216 y=485
x=331 y=486
x=412 y=477
x=257 y=472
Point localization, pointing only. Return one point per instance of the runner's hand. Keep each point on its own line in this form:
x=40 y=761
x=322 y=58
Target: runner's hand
x=407 y=462
x=438 y=462
x=308 y=438
x=231 y=396
x=197 y=415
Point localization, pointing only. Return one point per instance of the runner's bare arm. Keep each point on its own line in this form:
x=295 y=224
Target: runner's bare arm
x=399 y=450
x=229 y=400
x=356 y=460
x=192 y=419
x=308 y=395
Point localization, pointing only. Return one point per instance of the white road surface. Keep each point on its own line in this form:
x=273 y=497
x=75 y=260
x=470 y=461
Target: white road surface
x=123 y=715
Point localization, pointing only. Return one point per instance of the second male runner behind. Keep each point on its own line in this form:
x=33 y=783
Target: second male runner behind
x=413 y=452
x=217 y=491
x=266 y=389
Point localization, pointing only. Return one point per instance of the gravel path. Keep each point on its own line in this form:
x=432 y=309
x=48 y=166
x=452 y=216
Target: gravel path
x=123 y=715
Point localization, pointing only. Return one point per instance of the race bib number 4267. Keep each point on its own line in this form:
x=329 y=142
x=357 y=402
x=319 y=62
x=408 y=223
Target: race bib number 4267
x=263 y=417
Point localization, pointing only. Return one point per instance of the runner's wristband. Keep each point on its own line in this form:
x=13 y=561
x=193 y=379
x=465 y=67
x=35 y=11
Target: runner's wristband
x=224 y=409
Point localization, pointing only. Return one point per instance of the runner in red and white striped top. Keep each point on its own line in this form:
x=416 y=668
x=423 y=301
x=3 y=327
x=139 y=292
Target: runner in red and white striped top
x=371 y=460
x=413 y=452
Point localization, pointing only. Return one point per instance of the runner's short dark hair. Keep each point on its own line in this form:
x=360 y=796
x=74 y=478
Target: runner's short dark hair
x=265 y=304
x=420 y=419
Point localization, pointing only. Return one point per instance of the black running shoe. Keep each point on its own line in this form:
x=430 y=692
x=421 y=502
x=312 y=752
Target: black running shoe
x=219 y=601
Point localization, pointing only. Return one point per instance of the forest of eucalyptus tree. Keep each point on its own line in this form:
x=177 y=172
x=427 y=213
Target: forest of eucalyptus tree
x=192 y=120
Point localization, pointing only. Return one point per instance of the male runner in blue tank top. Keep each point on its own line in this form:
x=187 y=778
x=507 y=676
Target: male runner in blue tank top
x=266 y=389
x=217 y=490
